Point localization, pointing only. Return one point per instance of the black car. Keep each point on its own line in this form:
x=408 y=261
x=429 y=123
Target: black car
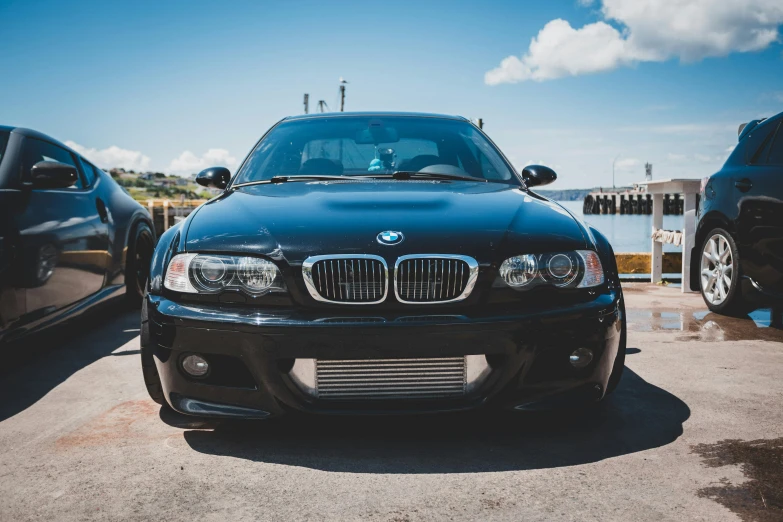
x=737 y=262
x=70 y=236
x=380 y=263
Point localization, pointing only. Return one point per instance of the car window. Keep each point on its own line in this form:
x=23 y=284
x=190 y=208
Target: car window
x=356 y=157
x=757 y=148
x=3 y=143
x=359 y=145
x=490 y=169
x=37 y=150
x=776 y=149
x=88 y=171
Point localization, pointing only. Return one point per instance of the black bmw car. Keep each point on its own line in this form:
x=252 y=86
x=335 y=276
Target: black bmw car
x=70 y=237
x=737 y=262
x=380 y=263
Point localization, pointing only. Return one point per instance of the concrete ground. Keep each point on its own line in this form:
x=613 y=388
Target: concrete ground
x=694 y=432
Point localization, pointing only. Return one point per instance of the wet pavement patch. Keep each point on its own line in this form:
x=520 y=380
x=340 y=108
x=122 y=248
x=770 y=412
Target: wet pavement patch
x=760 y=498
x=701 y=325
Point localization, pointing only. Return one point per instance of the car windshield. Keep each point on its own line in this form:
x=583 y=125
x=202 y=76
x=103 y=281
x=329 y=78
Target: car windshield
x=366 y=146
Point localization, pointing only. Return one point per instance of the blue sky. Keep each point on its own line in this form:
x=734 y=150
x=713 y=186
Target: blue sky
x=178 y=86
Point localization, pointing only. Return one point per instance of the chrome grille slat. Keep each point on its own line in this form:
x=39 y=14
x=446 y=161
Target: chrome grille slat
x=346 y=279
x=379 y=379
x=453 y=282
x=334 y=291
x=441 y=277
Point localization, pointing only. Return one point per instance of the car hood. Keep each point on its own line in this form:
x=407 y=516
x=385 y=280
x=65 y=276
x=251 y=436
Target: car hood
x=291 y=221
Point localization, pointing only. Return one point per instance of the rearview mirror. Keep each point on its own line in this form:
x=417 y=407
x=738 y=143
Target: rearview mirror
x=377 y=132
x=538 y=175
x=53 y=175
x=214 y=177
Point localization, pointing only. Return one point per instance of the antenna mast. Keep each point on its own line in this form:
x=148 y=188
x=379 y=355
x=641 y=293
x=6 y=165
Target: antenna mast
x=342 y=93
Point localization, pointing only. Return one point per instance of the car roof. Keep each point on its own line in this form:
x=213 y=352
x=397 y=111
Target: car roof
x=380 y=114
x=30 y=133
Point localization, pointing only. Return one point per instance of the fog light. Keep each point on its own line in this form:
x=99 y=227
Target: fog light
x=581 y=357
x=195 y=366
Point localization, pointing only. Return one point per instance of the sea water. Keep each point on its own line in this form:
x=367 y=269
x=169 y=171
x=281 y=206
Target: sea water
x=627 y=233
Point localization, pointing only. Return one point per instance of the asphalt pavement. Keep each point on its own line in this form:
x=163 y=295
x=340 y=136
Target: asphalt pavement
x=694 y=432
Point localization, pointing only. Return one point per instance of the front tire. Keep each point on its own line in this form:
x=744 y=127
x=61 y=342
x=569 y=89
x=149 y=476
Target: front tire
x=137 y=263
x=719 y=273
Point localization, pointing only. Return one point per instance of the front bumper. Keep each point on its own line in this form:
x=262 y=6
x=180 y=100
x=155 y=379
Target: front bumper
x=528 y=354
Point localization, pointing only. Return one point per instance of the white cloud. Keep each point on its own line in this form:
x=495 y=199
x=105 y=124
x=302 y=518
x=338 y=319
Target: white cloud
x=188 y=163
x=651 y=31
x=560 y=50
x=627 y=164
x=113 y=157
x=683 y=129
x=699 y=157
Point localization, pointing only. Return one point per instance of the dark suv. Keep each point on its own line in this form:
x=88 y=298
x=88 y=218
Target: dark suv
x=738 y=257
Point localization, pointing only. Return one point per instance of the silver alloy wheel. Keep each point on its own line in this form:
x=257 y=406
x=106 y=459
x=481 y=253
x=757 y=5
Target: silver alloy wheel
x=717 y=269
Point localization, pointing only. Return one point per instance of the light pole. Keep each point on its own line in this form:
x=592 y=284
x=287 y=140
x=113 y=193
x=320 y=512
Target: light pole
x=613 y=162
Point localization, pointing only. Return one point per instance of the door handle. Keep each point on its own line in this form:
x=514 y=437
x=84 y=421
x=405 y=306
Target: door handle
x=743 y=185
x=102 y=212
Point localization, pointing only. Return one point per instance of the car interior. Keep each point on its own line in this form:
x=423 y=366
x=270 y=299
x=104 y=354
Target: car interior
x=343 y=150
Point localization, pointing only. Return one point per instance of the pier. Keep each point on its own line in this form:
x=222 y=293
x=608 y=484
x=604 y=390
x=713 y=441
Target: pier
x=630 y=201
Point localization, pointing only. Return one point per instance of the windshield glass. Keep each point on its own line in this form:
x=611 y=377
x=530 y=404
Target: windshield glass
x=355 y=146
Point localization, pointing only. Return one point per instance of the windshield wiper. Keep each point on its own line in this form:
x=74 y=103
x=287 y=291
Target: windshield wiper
x=286 y=179
x=407 y=174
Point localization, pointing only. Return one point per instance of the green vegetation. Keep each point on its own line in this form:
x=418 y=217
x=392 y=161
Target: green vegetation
x=155 y=185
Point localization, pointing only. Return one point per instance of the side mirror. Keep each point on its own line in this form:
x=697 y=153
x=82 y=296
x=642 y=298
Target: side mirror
x=53 y=175
x=538 y=175
x=214 y=177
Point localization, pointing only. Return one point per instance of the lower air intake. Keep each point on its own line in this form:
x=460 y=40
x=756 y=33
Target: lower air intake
x=379 y=379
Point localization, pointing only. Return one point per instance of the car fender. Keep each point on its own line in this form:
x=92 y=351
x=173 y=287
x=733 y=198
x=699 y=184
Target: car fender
x=606 y=254
x=139 y=216
x=170 y=242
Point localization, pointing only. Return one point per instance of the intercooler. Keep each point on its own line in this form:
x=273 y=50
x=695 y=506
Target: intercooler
x=390 y=378
x=383 y=379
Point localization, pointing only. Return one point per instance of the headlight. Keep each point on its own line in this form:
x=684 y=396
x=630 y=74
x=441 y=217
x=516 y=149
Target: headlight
x=579 y=269
x=211 y=274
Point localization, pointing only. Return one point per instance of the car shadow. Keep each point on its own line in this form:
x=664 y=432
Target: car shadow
x=638 y=417
x=36 y=365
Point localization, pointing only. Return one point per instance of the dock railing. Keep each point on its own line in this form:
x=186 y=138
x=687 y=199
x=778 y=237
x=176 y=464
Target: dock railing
x=689 y=188
x=166 y=212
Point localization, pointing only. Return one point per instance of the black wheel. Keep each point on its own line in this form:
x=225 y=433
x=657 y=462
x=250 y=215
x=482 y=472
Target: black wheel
x=619 y=361
x=137 y=263
x=719 y=274
x=151 y=377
